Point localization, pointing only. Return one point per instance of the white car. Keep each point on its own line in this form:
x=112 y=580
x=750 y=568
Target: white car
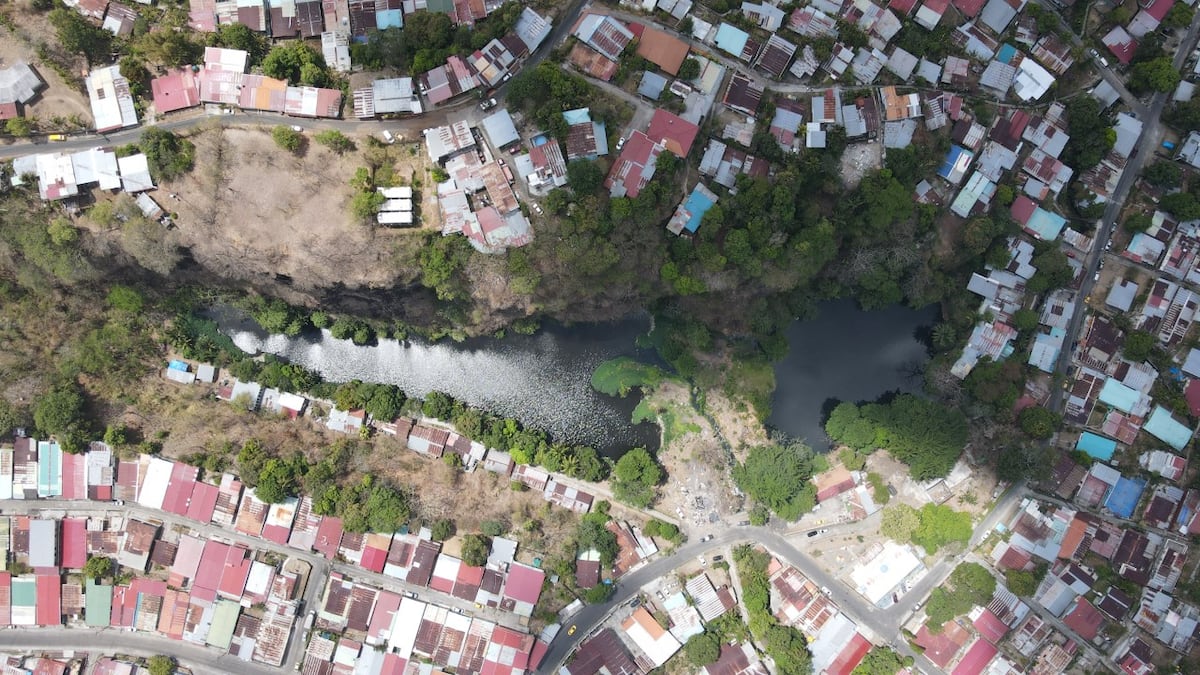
x=297 y=128
x=388 y=137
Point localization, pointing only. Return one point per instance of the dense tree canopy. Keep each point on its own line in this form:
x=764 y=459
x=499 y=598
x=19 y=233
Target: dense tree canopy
x=925 y=435
x=1091 y=133
x=59 y=412
x=969 y=584
x=169 y=155
x=78 y=35
x=778 y=476
x=1157 y=75
x=635 y=478
x=297 y=63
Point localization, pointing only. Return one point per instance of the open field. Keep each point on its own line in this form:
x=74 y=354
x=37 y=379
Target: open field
x=251 y=210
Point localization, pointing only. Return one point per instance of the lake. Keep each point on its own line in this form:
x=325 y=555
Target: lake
x=543 y=380
x=848 y=355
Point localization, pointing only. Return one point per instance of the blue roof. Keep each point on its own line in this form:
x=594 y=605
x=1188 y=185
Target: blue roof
x=1046 y=225
x=731 y=39
x=1164 y=427
x=578 y=116
x=1006 y=53
x=1118 y=395
x=389 y=18
x=652 y=85
x=179 y=365
x=1097 y=446
x=956 y=151
x=697 y=204
x=601 y=134
x=1125 y=495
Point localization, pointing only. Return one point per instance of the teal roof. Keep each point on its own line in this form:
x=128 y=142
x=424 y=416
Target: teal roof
x=24 y=592
x=578 y=116
x=1164 y=427
x=1046 y=225
x=98 y=605
x=224 y=620
x=731 y=39
x=1098 y=447
x=49 y=469
x=440 y=6
x=1118 y=395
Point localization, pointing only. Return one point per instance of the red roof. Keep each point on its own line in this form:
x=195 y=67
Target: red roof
x=969 y=7
x=637 y=153
x=636 y=28
x=8 y=111
x=203 y=502
x=235 y=572
x=1159 y=8
x=1084 y=619
x=905 y=7
x=393 y=665
x=1193 y=397
x=179 y=488
x=672 y=131
x=175 y=91
x=118 y=617
x=1121 y=44
x=850 y=656
x=49 y=600
x=941 y=647
x=990 y=627
x=1022 y=209
x=524 y=583
x=374 y=559
x=386 y=605
x=5 y=599
x=74 y=476
x=937 y=6
x=212 y=563
x=329 y=535
x=74 y=543
x=976 y=659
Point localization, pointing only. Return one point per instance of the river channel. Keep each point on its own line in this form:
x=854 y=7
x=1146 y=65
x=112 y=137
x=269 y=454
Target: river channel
x=544 y=380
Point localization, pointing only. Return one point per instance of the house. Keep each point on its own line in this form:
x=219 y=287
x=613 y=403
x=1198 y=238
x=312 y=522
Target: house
x=725 y=163
x=1163 y=426
x=652 y=85
x=997 y=14
x=867 y=64
x=767 y=17
x=549 y=166
x=604 y=34
x=18 y=85
x=586 y=138
x=1121 y=44
x=1165 y=464
x=742 y=94
x=649 y=637
x=786 y=123
x=775 y=56
x=987 y=339
x=662 y=48
x=902 y=64
x=447 y=81
x=899 y=107
x=690 y=212
x=930 y=13
x=112 y=102
x=119 y=19
x=1031 y=81
x=735 y=42
x=532 y=29
x=500 y=129
x=1150 y=16
x=1053 y=53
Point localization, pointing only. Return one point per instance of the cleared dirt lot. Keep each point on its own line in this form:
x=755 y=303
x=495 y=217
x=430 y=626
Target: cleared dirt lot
x=249 y=209
x=59 y=98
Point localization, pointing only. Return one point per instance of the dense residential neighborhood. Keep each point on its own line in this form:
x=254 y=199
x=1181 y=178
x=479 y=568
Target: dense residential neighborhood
x=1050 y=150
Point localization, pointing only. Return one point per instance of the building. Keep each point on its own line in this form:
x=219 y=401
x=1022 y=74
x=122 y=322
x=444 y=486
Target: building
x=606 y=35
x=651 y=639
x=877 y=579
x=690 y=212
x=743 y=94
x=112 y=102
x=662 y=48
x=18 y=85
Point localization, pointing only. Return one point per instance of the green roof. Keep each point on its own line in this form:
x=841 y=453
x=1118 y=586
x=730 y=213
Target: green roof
x=225 y=616
x=24 y=592
x=441 y=6
x=98 y=605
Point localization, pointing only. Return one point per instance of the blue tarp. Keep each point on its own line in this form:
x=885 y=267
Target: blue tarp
x=179 y=365
x=1125 y=495
x=1006 y=53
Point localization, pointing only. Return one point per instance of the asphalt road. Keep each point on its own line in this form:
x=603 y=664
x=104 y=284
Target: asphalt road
x=1152 y=132
x=200 y=660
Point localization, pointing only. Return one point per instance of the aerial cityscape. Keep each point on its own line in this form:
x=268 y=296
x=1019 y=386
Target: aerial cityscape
x=855 y=337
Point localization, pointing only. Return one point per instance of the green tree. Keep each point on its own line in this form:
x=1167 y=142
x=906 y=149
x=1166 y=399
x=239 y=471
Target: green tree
x=169 y=155
x=1138 y=222
x=286 y=137
x=125 y=299
x=1182 y=205
x=940 y=525
x=98 y=567
x=438 y=405
x=689 y=69
x=161 y=665
x=881 y=661
x=1164 y=174
x=899 y=522
x=778 y=476
x=11 y=417
x=280 y=479
x=297 y=63
x=115 y=435
x=1053 y=271
x=76 y=34
x=1039 y=422
x=593 y=535
x=598 y=594
x=239 y=36
x=442 y=529
x=1179 y=16
x=703 y=649
x=1155 y=75
x=475 y=550
x=635 y=478
x=19 y=126
x=59 y=413
x=251 y=459
x=364 y=205
x=1025 y=320
x=334 y=140
x=1139 y=345
x=1020 y=582
x=584 y=176
x=1089 y=129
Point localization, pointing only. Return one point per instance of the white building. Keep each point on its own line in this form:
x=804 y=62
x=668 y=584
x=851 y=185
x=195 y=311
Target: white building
x=112 y=102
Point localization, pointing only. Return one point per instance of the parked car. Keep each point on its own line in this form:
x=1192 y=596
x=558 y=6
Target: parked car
x=571 y=630
x=620 y=143
x=718 y=558
x=706 y=538
x=57 y=137
x=297 y=128
x=703 y=562
x=410 y=595
x=388 y=137
x=487 y=104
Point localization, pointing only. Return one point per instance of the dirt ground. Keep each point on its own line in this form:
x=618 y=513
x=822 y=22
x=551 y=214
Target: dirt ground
x=58 y=98
x=699 y=490
x=859 y=160
x=249 y=208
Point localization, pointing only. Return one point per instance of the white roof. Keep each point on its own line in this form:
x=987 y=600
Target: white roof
x=658 y=651
x=401 y=192
x=97 y=166
x=880 y=576
x=1032 y=81
x=154 y=483
x=135 y=173
x=112 y=102
x=258 y=582
x=405 y=624
x=18 y=83
x=233 y=60
x=500 y=128
x=292 y=401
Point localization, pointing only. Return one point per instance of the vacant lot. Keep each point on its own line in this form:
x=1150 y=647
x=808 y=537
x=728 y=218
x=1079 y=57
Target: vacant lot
x=251 y=210
x=59 y=98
